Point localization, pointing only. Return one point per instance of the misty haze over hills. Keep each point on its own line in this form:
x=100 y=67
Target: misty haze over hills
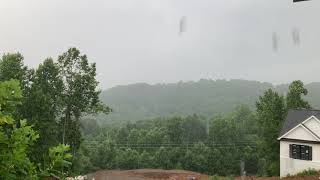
x=204 y=97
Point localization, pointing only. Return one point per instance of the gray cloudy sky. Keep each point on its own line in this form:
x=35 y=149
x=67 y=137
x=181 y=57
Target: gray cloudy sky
x=137 y=40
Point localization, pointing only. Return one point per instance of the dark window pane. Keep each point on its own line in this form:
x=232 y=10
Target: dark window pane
x=300 y=152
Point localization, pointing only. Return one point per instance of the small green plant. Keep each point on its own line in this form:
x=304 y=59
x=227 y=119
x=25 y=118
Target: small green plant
x=308 y=172
x=59 y=161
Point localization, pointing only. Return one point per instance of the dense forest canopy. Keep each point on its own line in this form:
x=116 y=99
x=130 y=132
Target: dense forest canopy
x=40 y=111
x=204 y=97
x=48 y=126
x=212 y=146
x=215 y=144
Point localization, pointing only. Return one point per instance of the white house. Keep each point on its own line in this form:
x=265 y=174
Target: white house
x=300 y=142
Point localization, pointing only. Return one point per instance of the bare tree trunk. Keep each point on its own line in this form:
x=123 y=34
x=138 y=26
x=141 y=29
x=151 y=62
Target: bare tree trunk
x=66 y=119
x=64 y=130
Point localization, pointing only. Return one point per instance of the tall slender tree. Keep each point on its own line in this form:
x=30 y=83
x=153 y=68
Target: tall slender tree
x=42 y=106
x=79 y=95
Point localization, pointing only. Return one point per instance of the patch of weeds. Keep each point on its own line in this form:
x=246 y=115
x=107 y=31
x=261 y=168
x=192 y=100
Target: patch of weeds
x=309 y=172
x=215 y=177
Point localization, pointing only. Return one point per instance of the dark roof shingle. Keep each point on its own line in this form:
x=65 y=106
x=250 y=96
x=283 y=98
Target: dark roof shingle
x=297 y=116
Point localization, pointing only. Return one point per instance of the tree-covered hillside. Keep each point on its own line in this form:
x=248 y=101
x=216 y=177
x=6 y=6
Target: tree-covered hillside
x=205 y=97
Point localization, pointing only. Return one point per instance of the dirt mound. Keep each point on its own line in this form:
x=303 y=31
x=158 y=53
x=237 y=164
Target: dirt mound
x=146 y=174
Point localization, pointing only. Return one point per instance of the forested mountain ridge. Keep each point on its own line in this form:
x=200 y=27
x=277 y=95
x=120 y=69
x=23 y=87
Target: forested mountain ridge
x=204 y=97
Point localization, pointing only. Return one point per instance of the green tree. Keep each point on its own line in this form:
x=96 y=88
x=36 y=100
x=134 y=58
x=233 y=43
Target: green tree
x=104 y=156
x=79 y=95
x=42 y=105
x=145 y=160
x=127 y=159
x=223 y=131
x=162 y=158
x=84 y=163
x=294 y=96
x=194 y=129
x=196 y=158
x=175 y=130
x=271 y=111
x=12 y=67
x=15 y=141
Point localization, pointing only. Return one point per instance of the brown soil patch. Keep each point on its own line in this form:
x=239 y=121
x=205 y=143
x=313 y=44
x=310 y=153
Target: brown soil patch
x=146 y=174
x=160 y=174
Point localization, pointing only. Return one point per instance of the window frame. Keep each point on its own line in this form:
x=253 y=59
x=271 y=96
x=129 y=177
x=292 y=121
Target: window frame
x=300 y=152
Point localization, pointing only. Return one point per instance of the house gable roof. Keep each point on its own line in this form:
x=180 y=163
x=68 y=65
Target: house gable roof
x=301 y=132
x=295 y=117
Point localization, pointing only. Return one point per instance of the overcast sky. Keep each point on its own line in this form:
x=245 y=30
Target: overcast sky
x=138 y=40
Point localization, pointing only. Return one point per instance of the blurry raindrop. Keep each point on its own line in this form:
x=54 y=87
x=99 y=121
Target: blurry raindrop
x=275 y=41
x=182 y=25
x=296 y=36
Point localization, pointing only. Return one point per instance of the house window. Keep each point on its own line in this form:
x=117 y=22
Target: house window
x=300 y=152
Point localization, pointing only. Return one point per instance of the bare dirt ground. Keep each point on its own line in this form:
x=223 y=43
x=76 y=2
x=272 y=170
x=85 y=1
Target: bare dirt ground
x=159 y=174
x=146 y=174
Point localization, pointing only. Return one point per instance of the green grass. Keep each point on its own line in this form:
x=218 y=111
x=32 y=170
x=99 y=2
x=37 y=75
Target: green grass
x=308 y=172
x=221 y=178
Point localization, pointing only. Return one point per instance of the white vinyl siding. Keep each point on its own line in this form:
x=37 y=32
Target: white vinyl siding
x=314 y=125
x=293 y=166
x=301 y=134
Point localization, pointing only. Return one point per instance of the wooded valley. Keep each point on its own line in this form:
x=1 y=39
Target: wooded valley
x=51 y=122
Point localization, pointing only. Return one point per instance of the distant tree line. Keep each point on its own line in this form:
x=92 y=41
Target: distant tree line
x=207 y=97
x=214 y=146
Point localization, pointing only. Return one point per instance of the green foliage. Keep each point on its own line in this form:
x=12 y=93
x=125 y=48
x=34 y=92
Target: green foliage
x=176 y=143
x=52 y=92
x=60 y=159
x=79 y=94
x=82 y=161
x=12 y=67
x=294 y=99
x=55 y=96
x=205 y=97
x=221 y=178
x=15 y=140
x=271 y=111
x=42 y=105
x=10 y=95
x=308 y=172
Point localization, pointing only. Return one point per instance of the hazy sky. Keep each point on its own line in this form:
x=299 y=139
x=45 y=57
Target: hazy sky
x=138 y=41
